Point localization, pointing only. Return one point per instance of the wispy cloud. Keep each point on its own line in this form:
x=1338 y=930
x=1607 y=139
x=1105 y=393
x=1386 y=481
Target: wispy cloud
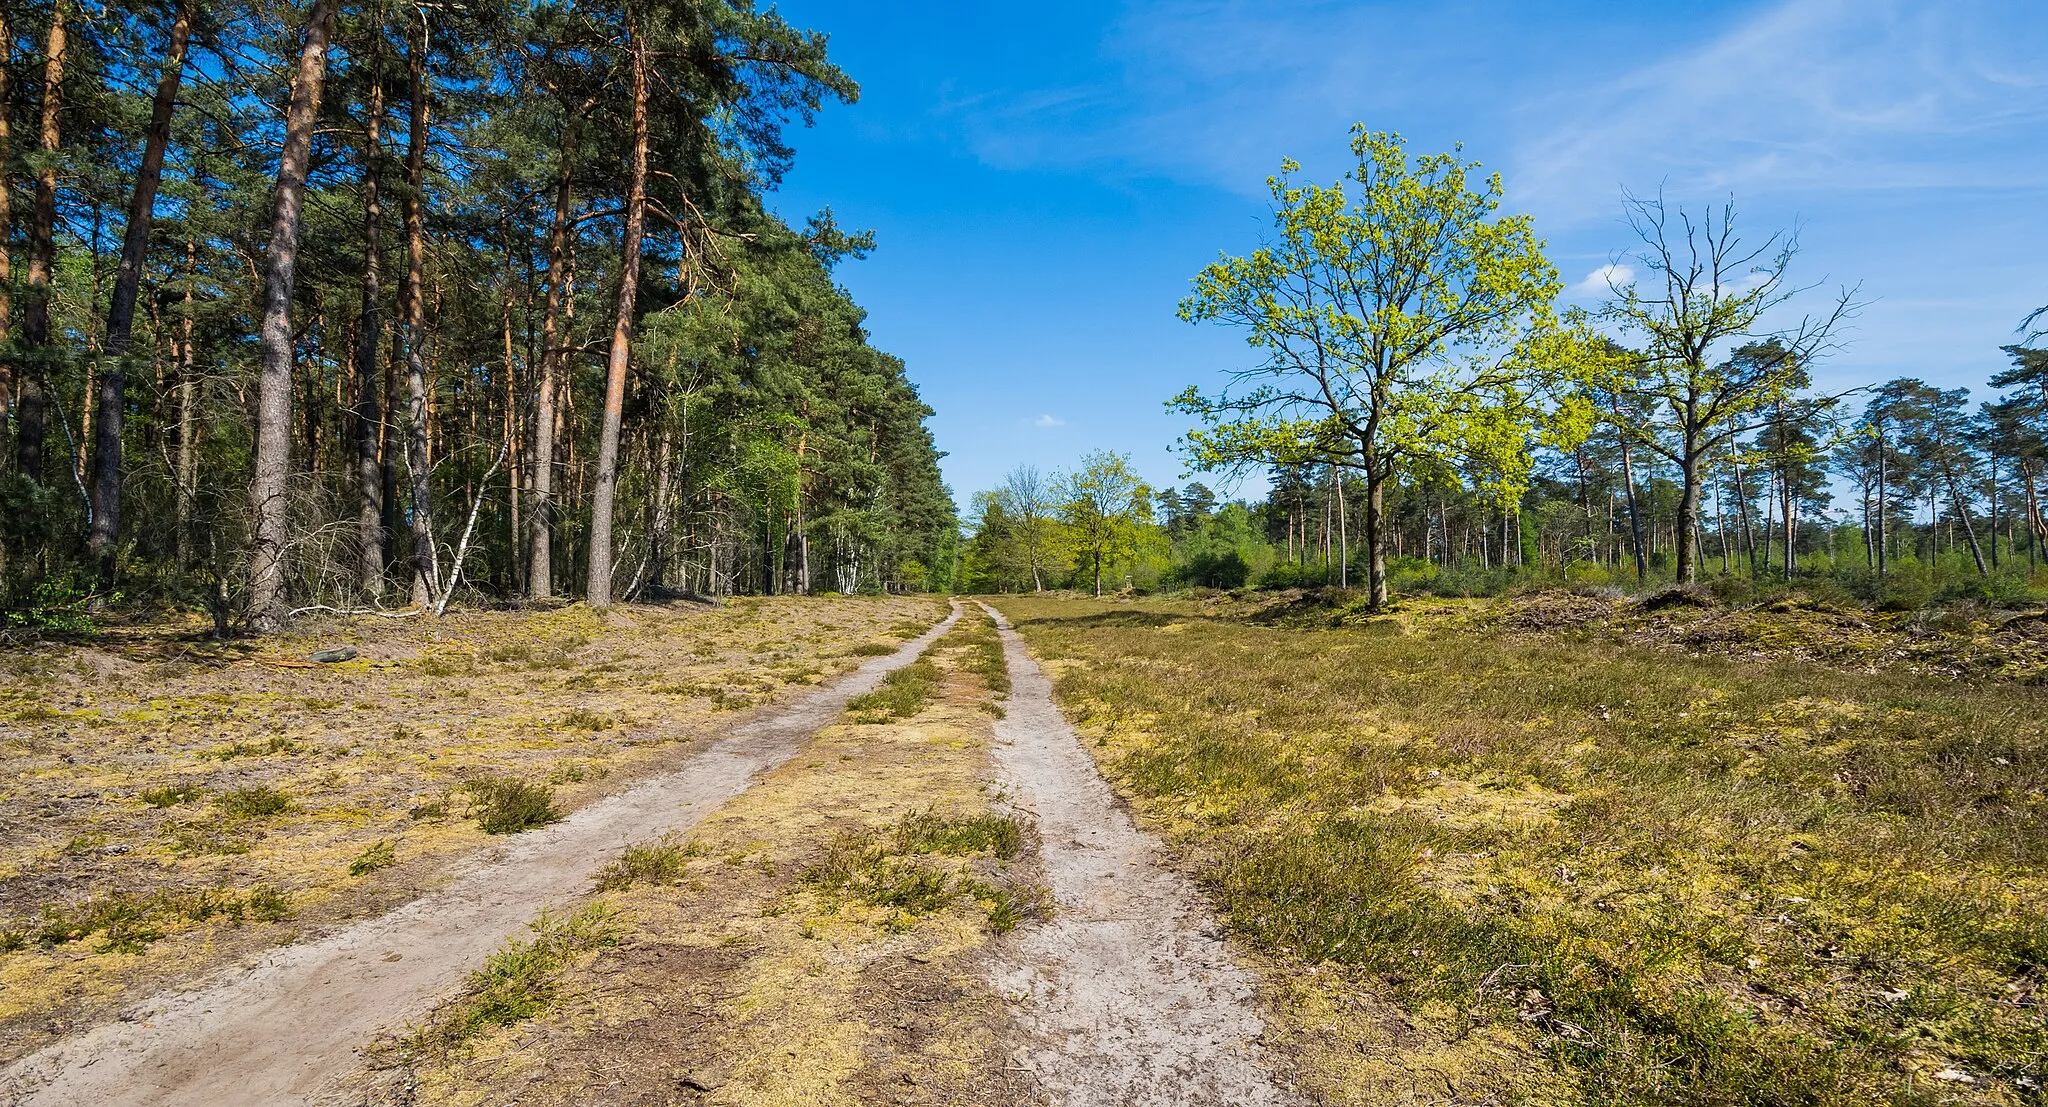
x=1048 y=421
x=1795 y=94
x=1807 y=94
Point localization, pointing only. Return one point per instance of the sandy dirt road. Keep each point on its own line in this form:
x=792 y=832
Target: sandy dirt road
x=284 y=1029
x=1129 y=996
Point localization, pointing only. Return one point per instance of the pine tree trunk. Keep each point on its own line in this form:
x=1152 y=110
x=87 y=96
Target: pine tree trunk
x=1969 y=526
x=267 y=492
x=104 y=534
x=426 y=581
x=597 y=589
x=6 y=224
x=188 y=417
x=539 y=567
x=510 y=432
x=371 y=538
x=1635 y=518
x=42 y=259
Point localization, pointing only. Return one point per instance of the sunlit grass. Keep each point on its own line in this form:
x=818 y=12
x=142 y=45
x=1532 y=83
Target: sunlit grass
x=1678 y=880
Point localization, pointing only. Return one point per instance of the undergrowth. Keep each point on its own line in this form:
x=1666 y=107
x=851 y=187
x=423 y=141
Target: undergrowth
x=129 y=924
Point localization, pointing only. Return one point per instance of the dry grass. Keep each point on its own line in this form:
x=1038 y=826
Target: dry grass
x=774 y=957
x=1529 y=866
x=150 y=766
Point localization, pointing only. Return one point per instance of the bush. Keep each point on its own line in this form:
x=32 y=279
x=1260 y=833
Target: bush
x=171 y=795
x=659 y=862
x=508 y=805
x=1288 y=574
x=1213 y=569
x=379 y=855
x=903 y=693
x=254 y=802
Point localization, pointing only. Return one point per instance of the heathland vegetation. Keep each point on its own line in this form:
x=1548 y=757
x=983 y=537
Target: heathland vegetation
x=1538 y=866
x=362 y=304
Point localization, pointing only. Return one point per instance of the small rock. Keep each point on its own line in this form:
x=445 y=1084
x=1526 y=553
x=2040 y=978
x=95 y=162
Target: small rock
x=328 y=657
x=1955 y=1076
x=704 y=1080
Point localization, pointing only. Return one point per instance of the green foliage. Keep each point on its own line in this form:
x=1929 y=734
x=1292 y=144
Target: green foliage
x=890 y=867
x=519 y=981
x=171 y=795
x=904 y=693
x=127 y=924
x=256 y=801
x=660 y=862
x=508 y=805
x=380 y=854
x=928 y=831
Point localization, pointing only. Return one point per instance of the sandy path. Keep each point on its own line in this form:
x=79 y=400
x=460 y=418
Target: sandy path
x=280 y=1031
x=1130 y=996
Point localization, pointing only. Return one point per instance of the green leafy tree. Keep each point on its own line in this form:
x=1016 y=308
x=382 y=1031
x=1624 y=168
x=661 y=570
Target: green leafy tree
x=1106 y=509
x=1710 y=364
x=1388 y=309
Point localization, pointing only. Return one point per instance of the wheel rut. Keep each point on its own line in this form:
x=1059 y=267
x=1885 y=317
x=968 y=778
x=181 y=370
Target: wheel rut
x=285 y=1029
x=1129 y=997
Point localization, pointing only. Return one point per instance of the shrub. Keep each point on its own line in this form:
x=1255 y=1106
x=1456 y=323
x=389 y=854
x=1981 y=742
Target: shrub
x=379 y=855
x=508 y=805
x=520 y=980
x=254 y=802
x=171 y=795
x=903 y=694
x=660 y=862
x=928 y=831
x=1217 y=569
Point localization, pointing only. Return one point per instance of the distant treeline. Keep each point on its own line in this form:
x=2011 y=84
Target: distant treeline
x=1429 y=415
x=353 y=302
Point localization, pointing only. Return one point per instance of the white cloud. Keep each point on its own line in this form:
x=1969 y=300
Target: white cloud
x=1048 y=421
x=1604 y=279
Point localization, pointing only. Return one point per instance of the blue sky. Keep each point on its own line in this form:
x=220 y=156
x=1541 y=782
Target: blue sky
x=1044 y=179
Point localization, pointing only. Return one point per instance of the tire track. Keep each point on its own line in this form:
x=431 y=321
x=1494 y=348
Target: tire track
x=282 y=1030
x=1129 y=996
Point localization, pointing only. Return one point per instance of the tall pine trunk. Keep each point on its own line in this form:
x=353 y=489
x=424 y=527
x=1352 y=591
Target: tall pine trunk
x=539 y=560
x=371 y=538
x=6 y=224
x=426 y=581
x=598 y=584
x=104 y=534
x=42 y=259
x=1955 y=492
x=1635 y=517
x=267 y=492
x=188 y=417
